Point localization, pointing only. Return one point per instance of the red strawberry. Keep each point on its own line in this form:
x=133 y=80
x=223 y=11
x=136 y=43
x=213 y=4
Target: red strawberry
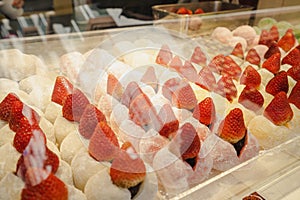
x=265 y=38
x=188 y=71
x=169 y=87
x=51 y=188
x=184 y=96
x=74 y=105
x=141 y=111
x=294 y=72
x=199 y=11
x=216 y=63
x=272 y=50
x=198 y=56
x=238 y=51
x=164 y=55
x=127 y=169
x=251 y=99
x=273 y=63
x=114 y=87
x=293 y=57
x=205 y=111
x=226 y=88
x=250 y=77
x=278 y=83
x=231 y=69
x=62 y=88
x=89 y=120
x=279 y=110
x=22 y=117
x=206 y=79
x=253 y=57
x=132 y=90
x=287 y=41
x=150 y=78
x=169 y=121
x=274 y=33
x=176 y=63
x=294 y=97
x=184 y=11
x=104 y=144
x=6 y=104
x=232 y=128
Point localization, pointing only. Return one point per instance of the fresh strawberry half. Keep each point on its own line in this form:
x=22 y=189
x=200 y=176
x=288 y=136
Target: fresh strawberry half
x=184 y=96
x=184 y=11
x=170 y=87
x=104 y=144
x=238 y=51
x=226 y=88
x=294 y=72
x=74 y=105
x=253 y=57
x=216 y=63
x=176 y=63
x=127 y=169
x=164 y=55
x=62 y=88
x=52 y=188
x=150 y=78
x=114 y=87
x=293 y=57
x=6 y=104
x=198 y=57
x=274 y=33
x=278 y=83
x=273 y=63
x=132 y=90
x=250 y=77
x=231 y=69
x=205 y=111
x=170 y=123
x=251 y=99
x=188 y=71
x=287 y=41
x=279 y=110
x=294 y=97
x=89 y=120
x=273 y=49
x=265 y=38
x=22 y=117
x=206 y=79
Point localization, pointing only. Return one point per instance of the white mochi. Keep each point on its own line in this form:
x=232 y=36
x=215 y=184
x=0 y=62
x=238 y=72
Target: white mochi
x=64 y=172
x=75 y=194
x=52 y=111
x=6 y=135
x=11 y=187
x=48 y=129
x=62 y=127
x=8 y=163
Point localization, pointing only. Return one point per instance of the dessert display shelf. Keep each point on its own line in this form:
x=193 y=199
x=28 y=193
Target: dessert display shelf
x=150 y=113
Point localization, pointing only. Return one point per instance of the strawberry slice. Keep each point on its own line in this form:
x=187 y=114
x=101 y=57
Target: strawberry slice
x=114 y=87
x=279 y=110
x=233 y=130
x=199 y=11
x=62 y=88
x=74 y=105
x=216 y=63
x=294 y=97
x=104 y=144
x=206 y=79
x=170 y=87
x=52 y=188
x=251 y=99
x=294 y=72
x=278 y=83
x=205 y=112
x=176 y=63
x=226 y=88
x=127 y=169
x=253 y=57
x=132 y=91
x=164 y=55
x=184 y=96
x=274 y=33
x=188 y=71
x=287 y=41
x=265 y=38
x=230 y=68
x=6 y=104
x=184 y=11
x=238 y=51
x=250 y=77
x=89 y=120
x=273 y=63
x=150 y=78
x=272 y=50
x=170 y=123
x=198 y=57
x=293 y=57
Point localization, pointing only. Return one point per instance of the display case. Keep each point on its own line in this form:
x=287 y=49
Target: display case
x=273 y=173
